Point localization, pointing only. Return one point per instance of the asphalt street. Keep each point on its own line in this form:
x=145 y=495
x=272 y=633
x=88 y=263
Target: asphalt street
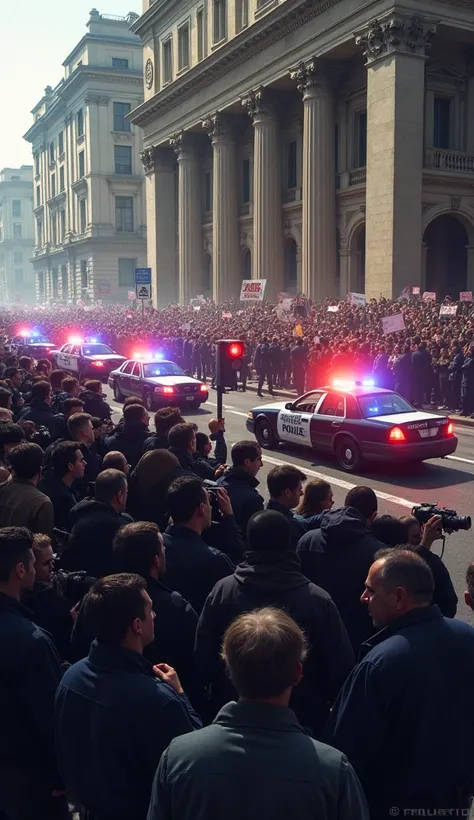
x=447 y=482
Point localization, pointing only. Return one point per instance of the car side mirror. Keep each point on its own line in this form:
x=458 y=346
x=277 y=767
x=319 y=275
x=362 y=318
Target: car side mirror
x=289 y=405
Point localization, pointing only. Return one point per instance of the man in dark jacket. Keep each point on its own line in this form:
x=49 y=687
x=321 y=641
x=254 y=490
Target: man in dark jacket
x=241 y=482
x=30 y=675
x=70 y=406
x=403 y=373
x=406 y=708
x=256 y=761
x=39 y=409
x=261 y=363
x=130 y=439
x=271 y=576
x=204 y=464
x=422 y=372
x=455 y=375
x=94 y=524
x=94 y=403
x=67 y=467
x=337 y=557
x=285 y=485
x=116 y=713
x=299 y=363
x=182 y=443
x=467 y=384
x=165 y=419
x=192 y=566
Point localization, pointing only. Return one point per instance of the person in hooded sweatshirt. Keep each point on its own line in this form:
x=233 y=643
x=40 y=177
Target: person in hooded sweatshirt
x=130 y=439
x=271 y=576
x=94 y=403
x=337 y=557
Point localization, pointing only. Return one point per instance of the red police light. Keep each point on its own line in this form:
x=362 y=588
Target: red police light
x=97 y=364
x=236 y=350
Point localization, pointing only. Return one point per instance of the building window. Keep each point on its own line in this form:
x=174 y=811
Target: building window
x=38 y=196
x=16 y=207
x=82 y=215
x=442 y=122
x=291 y=171
x=37 y=164
x=62 y=223
x=245 y=181
x=18 y=276
x=123 y=159
x=167 y=61
x=200 y=34
x=242 y=14
x=207 y=192
x=64 y=281
x=61 y=178
x=17 y=232
x=82 y=168
x=61 y=143
x=53 y=185
x=126 y=269
x=80 y=123
x=17 y=258
x=183 y=47
x=124 y=214
x=361 y=137
x=120 y=112
x=39 y=233
x=119 y=62
x=219 y=21
x=84 y=276
x=51 y=151
x=54 y=229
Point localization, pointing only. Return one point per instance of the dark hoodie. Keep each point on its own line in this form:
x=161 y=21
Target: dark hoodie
x=338 y=557
x=95 y=405
x=273 y=578
x=129 y=440
x=52 y=612
x=94 y=524
x=243 y=494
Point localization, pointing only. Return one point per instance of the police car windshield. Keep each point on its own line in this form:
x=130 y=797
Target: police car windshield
x=37 y=341
x=95 y=350
x=383 y=404
x=162 y=369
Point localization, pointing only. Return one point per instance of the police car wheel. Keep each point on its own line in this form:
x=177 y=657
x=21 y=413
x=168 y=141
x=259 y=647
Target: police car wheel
x=117 y=392
x=348 y=454
x=265 y=435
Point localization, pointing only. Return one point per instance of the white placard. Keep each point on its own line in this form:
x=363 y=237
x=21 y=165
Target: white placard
x=252 y=290
x=416 y=291
x=316 y=340
x=357 y=299
x=227 y=315
x=429 y=296
x=186 y=326
x=393 y=324
x=131 y=295
x=196 y=307
x=465 y=296
x=333 y=308
x=448 y=310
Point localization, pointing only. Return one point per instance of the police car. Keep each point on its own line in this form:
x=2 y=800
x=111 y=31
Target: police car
x=159 y=382
x=356 y=423
x=86 y=359
x=35 y=345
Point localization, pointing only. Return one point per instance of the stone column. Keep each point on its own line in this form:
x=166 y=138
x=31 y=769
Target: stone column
x=424 y=254
x=225 y=218
x=160 y=182
x=190 y=253
x=267 y=257
x=395 y=51
x=470 y=268
x=319 y=183
x=345 y=271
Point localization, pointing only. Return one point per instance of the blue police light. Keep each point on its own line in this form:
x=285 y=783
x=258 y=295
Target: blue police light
x=158 y=356
x=35 y=334
x=368 y=383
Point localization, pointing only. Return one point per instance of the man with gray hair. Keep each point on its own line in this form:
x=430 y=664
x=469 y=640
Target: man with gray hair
x=404 y=716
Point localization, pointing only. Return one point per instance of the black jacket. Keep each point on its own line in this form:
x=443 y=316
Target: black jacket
x=52 y=612
x=186 y=461
x=95 y=404
x=273 y=578
x=129 y=441
x=93 y=527
x=297 y=529
x=63 y=498
x=192 y=566
x=444 y=593
x=203 y=467
x=155 y=442
x=28 y=681
x=242 y=490
x=91 y=457
x=337 y=557
x=40 y=413
x=113 y=721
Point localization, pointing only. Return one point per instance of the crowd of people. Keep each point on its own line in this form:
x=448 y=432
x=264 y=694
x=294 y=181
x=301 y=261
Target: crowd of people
x=176 y=647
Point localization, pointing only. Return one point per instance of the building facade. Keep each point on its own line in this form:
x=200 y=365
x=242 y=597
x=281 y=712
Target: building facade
x=324 y=145
x=17 y=239
x=89 y=188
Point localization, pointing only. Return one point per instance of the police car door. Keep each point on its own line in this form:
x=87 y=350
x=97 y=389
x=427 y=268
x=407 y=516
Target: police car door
x=63 y=358
x=295 y=425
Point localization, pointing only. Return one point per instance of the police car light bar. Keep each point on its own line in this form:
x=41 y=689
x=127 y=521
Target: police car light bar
x=348 y=384
x=75 y=340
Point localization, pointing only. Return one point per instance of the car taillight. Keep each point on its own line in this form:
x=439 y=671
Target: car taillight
x=203 y=388
x=396 y=434
x=168 y=390
x=450 y=429
x=97 y=364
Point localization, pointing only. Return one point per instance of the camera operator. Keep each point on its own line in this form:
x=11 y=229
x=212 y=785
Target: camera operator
x=421 y=539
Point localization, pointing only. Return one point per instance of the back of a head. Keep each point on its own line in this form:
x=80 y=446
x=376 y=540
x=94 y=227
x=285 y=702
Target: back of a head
x=114 y=460
x=94 y=385
x=132 y=400
x=71 y=406
x=166 y=418
x=40 y=391
x=112 y=605
x=15 y=543
x=56 y=379
x=77 y=423
x=184 y=496
x=136 y=546
x=201 y=440
x=362 y=499
x=134 y=413
x=181 y=435
x=405 y=568
x=5 y=397
x=262 y=651
x=243 y=451
x=108 y=484
x=389 y=530
x=26 y=460
x=68 y=384
x=154 y=467
x=268 y=530
x=10 y=433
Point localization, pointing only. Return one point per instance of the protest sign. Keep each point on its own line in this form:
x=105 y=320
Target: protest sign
x=448 y=310
x=429 y=296
x=252 y=290
x=393 y=324
x=465 y=296
x=333 y=308
x=357 y=299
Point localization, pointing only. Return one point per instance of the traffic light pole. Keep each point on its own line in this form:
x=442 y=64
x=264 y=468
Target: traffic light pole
x=220 y=409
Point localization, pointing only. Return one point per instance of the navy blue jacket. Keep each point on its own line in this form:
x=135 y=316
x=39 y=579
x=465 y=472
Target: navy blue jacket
x=129 y=440
x=243 y=494
x=113 y=720
x=404 y=716
x=297 y=528
x=41 y=413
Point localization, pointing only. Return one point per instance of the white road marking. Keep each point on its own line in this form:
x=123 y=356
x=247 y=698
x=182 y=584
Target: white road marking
x=460 y=458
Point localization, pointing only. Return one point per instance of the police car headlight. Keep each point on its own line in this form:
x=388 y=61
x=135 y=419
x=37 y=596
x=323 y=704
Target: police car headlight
x=250 y=415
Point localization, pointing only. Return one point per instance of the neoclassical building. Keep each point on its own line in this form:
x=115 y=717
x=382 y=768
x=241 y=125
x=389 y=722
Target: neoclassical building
x=89 y=185
x=17 y=235
x=324 y=145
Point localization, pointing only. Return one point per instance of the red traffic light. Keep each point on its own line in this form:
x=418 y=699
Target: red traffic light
x=236 y=350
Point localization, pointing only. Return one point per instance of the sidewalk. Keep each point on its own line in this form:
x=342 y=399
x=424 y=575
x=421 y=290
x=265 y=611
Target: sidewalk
x=461 y=421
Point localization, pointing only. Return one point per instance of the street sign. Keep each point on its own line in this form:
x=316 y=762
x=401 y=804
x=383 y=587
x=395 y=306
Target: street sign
x=143 y=292
x=143 y=277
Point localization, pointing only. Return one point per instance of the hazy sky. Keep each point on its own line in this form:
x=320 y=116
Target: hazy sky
x=35 y=38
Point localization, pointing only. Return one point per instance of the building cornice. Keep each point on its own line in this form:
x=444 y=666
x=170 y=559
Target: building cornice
x=271 y=28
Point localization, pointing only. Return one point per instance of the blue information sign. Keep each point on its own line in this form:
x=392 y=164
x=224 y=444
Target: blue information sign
x=143 y=276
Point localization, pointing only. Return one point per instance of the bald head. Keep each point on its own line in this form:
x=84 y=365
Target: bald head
x=115 y=461
x=398 y=581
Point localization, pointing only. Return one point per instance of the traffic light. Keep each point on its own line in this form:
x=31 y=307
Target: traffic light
x=229 y=361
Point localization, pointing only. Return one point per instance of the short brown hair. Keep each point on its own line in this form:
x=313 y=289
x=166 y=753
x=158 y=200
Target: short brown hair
x=112 y=604
x=133 y=400
x=134 y=412
x=76 y=423
x=261 y=651
x=284 y=477
x=166 y=418
x=68 y=383
x=41 y=541
x=40 y=390
x=93 y=384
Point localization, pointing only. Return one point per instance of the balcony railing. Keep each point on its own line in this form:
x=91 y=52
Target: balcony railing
x=449 y=160
x=358 y=176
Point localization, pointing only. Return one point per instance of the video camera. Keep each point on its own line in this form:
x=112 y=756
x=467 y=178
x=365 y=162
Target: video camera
x=450 y=520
